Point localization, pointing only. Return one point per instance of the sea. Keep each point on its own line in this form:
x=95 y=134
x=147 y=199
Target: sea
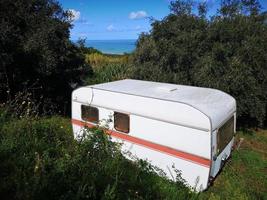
x=112 y=46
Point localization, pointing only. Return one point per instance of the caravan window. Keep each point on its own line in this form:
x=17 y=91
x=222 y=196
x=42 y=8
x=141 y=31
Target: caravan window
x=90 y=114
x=225 y=134
x=121 y=122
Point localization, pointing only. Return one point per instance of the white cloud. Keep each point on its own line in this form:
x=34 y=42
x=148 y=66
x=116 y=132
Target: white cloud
x=138 y=14
x=75 y=15
x=110 y=27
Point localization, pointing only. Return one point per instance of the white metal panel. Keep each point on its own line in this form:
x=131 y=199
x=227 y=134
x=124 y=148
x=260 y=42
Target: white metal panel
x=161 y=133
x=172 y=112
x=182 y=138
x=83 y=95
x=76 y=110
x=195 y=175
x=76 y=114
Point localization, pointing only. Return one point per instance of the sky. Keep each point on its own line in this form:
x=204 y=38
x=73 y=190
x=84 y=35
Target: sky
x=120 y=19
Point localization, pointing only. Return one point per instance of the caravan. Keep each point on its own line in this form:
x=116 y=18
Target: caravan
x=190 y=128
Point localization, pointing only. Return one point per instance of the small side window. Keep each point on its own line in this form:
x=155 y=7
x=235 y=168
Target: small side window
x=225 y=135
x=90 y=114
x=121 y=122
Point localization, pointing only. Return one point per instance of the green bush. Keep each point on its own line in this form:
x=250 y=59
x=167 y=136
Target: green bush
x=226 y=51
x=41 y=160
x=36 y=52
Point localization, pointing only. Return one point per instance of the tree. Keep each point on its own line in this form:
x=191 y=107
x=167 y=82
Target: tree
x=181 y=7
x=226 y=52
x=36 y=51
x=230 y=8
x=202 y=9
x=251 y=7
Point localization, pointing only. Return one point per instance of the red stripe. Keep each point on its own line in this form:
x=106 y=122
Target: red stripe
x=81 y=123
x=186 y=156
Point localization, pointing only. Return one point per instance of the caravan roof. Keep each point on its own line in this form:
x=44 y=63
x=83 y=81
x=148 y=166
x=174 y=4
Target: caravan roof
x=213 y=103
x=178 y=104
x=207 y=100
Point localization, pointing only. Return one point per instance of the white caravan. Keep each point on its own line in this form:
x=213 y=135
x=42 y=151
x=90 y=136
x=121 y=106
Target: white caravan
x=190 y=128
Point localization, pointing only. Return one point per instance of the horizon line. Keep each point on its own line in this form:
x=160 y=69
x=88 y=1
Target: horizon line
x=104 y=39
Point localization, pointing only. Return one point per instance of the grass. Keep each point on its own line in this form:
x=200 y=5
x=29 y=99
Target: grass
x=108 y=67
x=245 y=175
x=39 y=159
x=110 y=72
x=97 y=59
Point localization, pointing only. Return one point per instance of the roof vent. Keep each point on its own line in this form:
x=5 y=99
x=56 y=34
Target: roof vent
x=168 y=89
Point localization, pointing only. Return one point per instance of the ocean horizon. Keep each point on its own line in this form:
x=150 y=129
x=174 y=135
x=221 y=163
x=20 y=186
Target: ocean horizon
x=113 y=46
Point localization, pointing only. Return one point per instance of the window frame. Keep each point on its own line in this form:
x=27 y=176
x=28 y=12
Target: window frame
x=220 y=147
x=89 y=107
x=120 y=113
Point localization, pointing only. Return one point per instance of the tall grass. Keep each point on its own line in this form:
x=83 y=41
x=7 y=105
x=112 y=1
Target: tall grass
x=110 y=72
x=97 y=59
x=39 y=159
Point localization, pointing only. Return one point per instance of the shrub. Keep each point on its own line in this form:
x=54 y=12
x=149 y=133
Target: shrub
x=41 y=160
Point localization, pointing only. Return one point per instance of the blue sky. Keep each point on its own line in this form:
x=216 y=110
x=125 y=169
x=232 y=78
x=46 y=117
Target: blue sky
x=119 y=19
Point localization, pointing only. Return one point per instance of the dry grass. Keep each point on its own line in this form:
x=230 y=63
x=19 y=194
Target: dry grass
x=96 y=59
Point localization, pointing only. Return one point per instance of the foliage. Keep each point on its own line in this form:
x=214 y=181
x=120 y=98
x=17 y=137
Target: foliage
x=41 y=160
x=110 y=72
x=109 y=67
x=226 y=51
x=99 y=59
x=36 y=50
